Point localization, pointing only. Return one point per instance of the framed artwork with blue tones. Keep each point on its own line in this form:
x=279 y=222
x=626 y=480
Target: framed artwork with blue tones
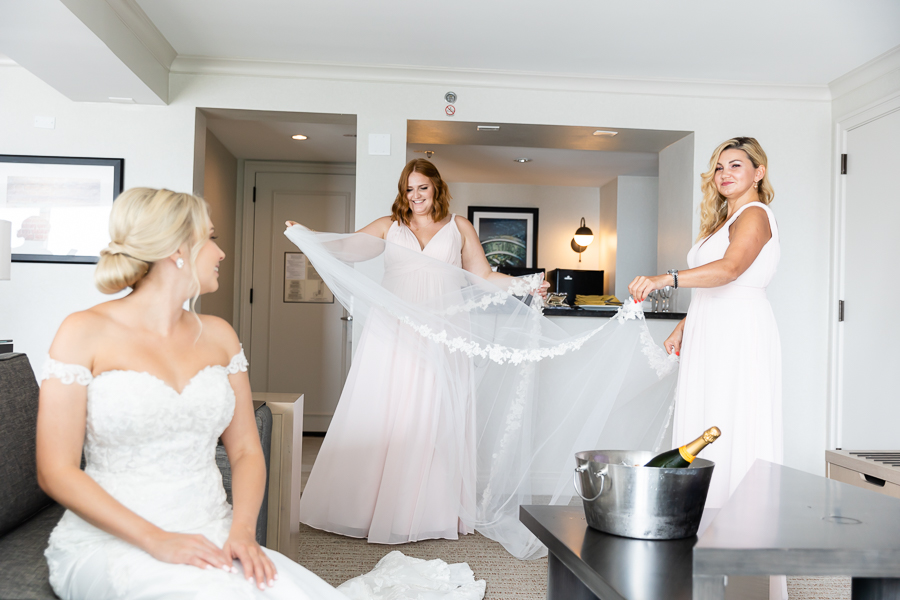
x=508 y=235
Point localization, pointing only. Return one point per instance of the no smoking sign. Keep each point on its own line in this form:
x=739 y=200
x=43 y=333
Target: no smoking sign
x=450 y=110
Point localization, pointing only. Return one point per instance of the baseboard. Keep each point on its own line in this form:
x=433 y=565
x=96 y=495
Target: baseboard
x=316 y=423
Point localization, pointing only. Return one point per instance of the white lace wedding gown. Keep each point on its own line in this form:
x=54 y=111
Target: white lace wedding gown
x=153 y=450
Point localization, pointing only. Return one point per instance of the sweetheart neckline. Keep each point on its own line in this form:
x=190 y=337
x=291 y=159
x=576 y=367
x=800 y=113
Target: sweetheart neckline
x=160 y=379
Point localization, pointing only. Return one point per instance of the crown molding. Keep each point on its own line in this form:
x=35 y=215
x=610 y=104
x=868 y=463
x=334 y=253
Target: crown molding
x=196 y=65
x=137 y=21
x=863 y=74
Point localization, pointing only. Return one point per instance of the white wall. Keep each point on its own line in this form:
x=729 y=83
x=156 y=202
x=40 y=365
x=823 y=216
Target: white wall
x=220 y=191
x=157 y=144
x=676 y=186
x=39 y=296
x=557 y=223
x=607 y=243
x=637 y=200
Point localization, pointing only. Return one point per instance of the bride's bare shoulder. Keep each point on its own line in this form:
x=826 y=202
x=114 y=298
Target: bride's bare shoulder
x=220 y=334
x=80 y=334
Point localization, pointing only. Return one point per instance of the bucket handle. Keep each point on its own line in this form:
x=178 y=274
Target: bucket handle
x=581 y=469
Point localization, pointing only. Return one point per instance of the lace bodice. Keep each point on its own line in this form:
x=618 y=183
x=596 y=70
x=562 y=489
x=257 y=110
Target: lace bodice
x=151 y=447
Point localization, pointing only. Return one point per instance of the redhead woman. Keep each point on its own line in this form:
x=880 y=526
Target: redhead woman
x=145 y=388
x=408 y=439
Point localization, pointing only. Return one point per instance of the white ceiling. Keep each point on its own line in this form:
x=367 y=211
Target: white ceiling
x=549 y=166
x=801 y=42
x=262 y=135
x=560 y=156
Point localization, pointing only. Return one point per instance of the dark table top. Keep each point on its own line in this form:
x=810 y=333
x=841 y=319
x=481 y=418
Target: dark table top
x=550 y=311
x=613 y=567
x=781 y=521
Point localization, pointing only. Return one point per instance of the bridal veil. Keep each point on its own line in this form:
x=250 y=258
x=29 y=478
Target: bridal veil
x=539 y=394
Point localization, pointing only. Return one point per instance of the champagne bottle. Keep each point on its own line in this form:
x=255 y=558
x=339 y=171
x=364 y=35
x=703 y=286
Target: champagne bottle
x=679 y=458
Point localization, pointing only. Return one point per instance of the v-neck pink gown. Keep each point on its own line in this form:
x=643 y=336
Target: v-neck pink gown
x=398 y=462
x=730 y=373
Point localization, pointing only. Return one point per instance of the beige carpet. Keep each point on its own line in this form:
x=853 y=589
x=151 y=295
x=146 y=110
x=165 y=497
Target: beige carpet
x=336 y=559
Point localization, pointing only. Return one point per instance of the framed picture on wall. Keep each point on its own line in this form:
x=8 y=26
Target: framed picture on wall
x=59 y=207
x=508 y=235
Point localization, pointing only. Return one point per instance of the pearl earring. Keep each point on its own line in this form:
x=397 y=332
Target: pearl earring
x=755 y=184
x=179 y=263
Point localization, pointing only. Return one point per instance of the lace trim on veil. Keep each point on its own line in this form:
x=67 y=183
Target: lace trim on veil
x=661 y=362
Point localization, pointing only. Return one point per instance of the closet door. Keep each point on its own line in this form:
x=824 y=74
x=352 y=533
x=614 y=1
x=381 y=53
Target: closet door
x=870 y=407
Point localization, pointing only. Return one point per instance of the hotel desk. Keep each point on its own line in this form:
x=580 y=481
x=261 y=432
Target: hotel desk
x=779 y=521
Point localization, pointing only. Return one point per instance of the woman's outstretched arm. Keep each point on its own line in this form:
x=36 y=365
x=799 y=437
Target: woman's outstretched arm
x=62 y=416
x=474 y=260
x=749 y=234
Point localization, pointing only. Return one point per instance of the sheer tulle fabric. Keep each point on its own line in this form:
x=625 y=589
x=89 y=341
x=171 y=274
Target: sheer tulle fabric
x=526 y=394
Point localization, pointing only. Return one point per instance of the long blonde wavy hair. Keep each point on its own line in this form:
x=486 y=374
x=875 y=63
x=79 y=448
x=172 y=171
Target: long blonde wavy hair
x=714 y=207
x=147 y=225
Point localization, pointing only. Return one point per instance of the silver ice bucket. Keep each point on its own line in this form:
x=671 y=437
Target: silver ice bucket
x=641 y=502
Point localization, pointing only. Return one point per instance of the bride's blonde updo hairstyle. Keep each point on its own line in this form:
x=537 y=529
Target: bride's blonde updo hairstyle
x=714 y=207
x=147 y=225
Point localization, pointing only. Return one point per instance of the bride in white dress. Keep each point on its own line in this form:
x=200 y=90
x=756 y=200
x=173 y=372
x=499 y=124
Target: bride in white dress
x=145 y=388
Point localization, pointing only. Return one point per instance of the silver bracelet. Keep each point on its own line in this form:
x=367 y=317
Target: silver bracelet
x=674 y=274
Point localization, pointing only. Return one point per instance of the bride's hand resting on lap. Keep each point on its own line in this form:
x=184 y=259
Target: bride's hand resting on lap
x=257 y=565
x=187 y=549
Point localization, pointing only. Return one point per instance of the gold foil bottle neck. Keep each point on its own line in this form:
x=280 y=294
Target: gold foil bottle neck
x=711 y=435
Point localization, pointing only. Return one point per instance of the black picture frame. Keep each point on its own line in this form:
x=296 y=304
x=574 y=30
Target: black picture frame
x=79 y=190
x=509 y=235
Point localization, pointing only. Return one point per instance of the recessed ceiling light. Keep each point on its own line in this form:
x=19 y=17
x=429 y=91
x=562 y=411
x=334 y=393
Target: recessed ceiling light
x=604 y=132
x=427 y=153
x=488 y=128
x=521 y=160
x=299 y=136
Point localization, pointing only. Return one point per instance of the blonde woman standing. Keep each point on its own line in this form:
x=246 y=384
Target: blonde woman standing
x=730 y=373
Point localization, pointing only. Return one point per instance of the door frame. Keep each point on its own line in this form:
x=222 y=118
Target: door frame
x=842 y=126
x=246 y=214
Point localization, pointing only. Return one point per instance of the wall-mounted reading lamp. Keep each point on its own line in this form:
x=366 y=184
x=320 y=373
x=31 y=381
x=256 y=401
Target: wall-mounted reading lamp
x=583 y=238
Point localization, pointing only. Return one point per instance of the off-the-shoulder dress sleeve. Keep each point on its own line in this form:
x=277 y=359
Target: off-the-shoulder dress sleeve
x=66 y=373
x=238 y=363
